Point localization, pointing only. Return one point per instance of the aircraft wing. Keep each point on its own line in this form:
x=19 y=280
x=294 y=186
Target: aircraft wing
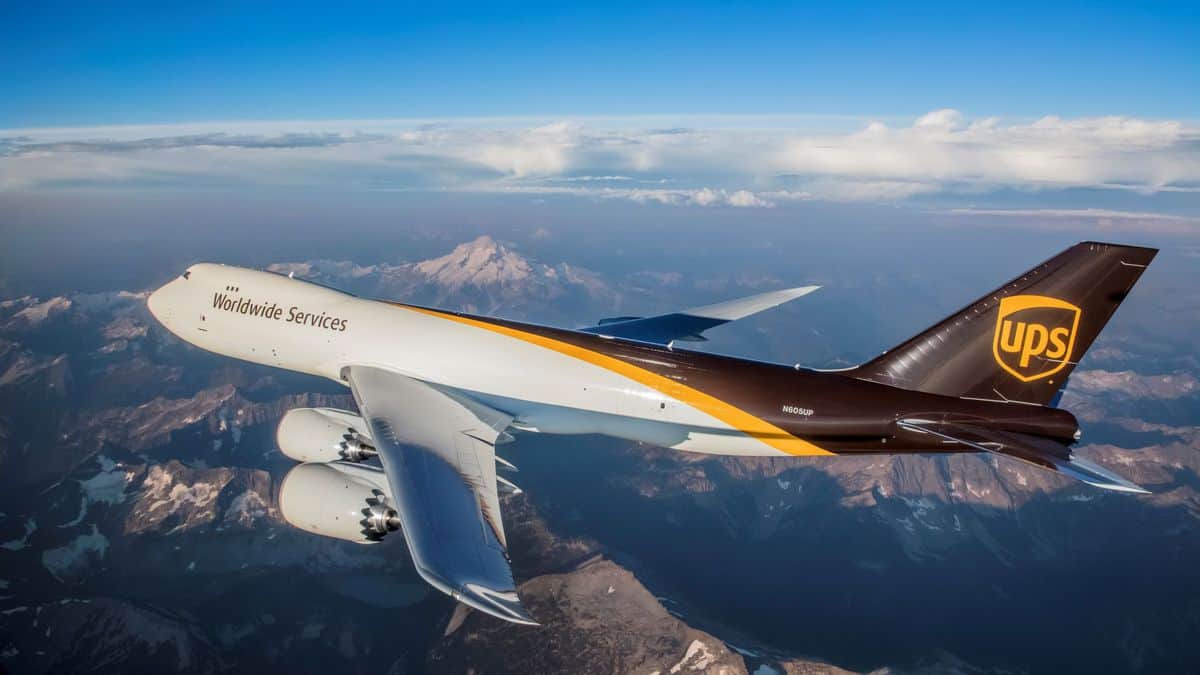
x=1043 y=453
x=689 y=324
x=437 y=452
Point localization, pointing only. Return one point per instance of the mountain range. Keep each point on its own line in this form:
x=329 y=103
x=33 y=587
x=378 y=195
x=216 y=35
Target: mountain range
x=139 y=528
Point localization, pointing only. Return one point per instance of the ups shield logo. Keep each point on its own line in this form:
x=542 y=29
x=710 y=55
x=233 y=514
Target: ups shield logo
x=1035 y=335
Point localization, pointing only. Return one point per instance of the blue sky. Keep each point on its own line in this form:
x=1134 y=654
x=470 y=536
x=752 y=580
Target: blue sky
x=137 y=63
x=1084 y=115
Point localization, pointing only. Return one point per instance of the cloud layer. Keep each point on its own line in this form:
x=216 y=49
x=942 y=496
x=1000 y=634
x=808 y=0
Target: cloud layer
x=732 y=162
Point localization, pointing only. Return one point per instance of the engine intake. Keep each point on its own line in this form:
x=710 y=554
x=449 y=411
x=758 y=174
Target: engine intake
x=323 y=435
x=339 y=500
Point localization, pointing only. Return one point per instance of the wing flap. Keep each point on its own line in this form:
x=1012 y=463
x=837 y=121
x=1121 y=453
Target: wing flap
x=1043 y=453
x=690 y=324
x=439 y=460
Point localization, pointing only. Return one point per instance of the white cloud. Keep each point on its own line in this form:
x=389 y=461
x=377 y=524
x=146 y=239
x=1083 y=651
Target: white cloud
x=1102 y=218
x=1076 y=213
x=849 y=190
x=705 y=196
x=590 y=179
x=540 y=151
x=702 y=197
x=700 y=161
x=747 y=198
x=941 y=148
x=946 y=119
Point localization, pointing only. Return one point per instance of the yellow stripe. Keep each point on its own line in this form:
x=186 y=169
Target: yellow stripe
x=737 y=418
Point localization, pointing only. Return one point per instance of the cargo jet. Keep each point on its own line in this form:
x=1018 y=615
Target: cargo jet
x=438 y=391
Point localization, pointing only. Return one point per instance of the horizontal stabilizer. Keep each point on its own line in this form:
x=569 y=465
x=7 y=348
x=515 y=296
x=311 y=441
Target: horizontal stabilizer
x=690 y=324
x=1043 y=453
x=1094 y=474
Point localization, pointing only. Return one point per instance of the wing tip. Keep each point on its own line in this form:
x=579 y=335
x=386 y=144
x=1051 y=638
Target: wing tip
x=740 y=308
x=502 y=605
x=789 y=294
x=1097 y=476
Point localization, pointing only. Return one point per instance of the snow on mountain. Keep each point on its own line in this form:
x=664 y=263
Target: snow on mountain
x=76 y=556
x=106 y=487
x=29 y=313
x=109 y=301
x=1130 y=384
x=175 y=498
x=40 y=311
x=124 y=328
x=27 y=367
x=482 y=275
x=482 y=263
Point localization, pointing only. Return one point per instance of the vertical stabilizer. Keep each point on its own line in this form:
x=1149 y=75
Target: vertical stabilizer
x=1021 y=341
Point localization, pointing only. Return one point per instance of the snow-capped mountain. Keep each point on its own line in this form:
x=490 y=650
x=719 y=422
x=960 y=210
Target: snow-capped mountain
x=483 y=276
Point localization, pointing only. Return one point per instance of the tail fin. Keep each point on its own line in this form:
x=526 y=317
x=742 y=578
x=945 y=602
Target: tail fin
x=1021 y=341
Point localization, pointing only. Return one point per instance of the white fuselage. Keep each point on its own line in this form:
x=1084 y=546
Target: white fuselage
x=275 y=320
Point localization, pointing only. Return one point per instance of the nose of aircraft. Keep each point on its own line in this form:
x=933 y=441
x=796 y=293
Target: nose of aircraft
x=153 y=303
x=160 y=301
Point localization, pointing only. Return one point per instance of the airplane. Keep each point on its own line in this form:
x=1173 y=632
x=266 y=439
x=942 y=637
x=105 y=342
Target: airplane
x=437 y=391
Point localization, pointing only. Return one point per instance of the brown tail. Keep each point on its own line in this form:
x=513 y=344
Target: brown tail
x=1021 y=341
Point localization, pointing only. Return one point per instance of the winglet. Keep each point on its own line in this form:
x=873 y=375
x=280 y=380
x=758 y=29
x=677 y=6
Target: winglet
x=690 y=324
x=505 y=606
x=732 y=310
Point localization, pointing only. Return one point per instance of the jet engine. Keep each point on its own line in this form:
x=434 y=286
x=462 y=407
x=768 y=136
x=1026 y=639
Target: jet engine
x=323 y=435
x=340 y=500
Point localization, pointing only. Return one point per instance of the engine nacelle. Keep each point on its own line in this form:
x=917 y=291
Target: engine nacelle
x=344 y=501
x=323 y=435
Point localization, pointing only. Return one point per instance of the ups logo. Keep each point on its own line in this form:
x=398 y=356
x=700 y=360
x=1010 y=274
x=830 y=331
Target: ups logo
x=1035 y=335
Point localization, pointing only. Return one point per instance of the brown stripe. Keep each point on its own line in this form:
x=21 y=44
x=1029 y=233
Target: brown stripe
x=735 y=417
